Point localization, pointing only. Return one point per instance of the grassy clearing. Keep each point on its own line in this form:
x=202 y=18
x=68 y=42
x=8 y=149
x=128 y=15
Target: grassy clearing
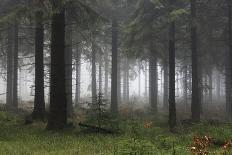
x=19 y=139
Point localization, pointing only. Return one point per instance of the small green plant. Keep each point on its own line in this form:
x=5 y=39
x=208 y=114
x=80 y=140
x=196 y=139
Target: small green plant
x=97 y=115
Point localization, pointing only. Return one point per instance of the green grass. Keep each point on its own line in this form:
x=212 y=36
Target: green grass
x=19 y=139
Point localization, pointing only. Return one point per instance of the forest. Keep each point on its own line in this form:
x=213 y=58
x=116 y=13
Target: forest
x=115 y=77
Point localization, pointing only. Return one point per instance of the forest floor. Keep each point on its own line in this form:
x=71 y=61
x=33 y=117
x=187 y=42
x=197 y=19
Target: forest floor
x=137 y=138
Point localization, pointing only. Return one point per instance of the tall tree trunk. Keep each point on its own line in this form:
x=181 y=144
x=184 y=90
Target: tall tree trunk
x=94 y=82
x=68 y=65
x=119 y=80
x=139 y=79
x=106 y=60
x=153 y=80
x=127 y=81
x=230 y=56
x=58 y=106
x=146 y=79
x=210 y=87
x=195 y=107
x=172 y=101
x=218 y=86
x=39 y=102
x=15 y=66
x=185 y=83
x=165 y=94
x=100 y=75
x=114 y=81
x=78 y=75
x=9 y=95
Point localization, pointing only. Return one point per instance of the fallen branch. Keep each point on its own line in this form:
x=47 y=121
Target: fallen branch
x=96 y=129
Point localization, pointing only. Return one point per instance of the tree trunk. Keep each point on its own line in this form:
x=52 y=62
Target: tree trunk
x=185 y=83
x=78 y=75
x=165 y=85
x=218 y=86
x=127 y=82
x=172 y=101
x=15 y=66
x=153 y=80
x=100 y=75
x=146 y=79
x=230 y=56
x=195 y=107
x=114 y=81
x=210 y=87
x=58 y=106
x=94 y=83
x=139 y=79
x=119 y=80
x=106 y=60
x=68 y=65
x=9 y=95
x=39 y=102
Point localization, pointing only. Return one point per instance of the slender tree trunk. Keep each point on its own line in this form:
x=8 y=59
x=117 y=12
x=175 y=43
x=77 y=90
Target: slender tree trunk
x=39 y=102
x=15 y=66
x=94 y=83
x=146 y=79
x=218 y=86
x=139 y=80
x=185 y=84
x=124 y=81
x=100 y=75
x=196 y=106
x=210 y=87
x=172 y=101
x=114 y=81
x=106 y=60
x=68 y=65
x=230 y=53
x=9 y=95
x=127 y=82
x=119 y=80
x=153 y=80
x=165 y=95
x=78 y=75
x=58 y=106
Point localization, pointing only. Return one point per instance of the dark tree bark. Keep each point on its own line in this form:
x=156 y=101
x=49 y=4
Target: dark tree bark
x=119 y=79
x=139 y=79
x=153 y=85
x=165 y=86
x=68 y=64
x=94 y=83
x=230 y=57
x=100 y=74
x=114 y=81
x=9 y=95
x=210 y=87
x=195 y=106
x=15 y=66
x=39 y=102
x=78 y=75
x=172 y=100
x=58 y=106
x=185 y=83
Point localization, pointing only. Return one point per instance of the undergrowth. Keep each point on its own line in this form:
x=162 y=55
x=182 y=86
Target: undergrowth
x=138 y=138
